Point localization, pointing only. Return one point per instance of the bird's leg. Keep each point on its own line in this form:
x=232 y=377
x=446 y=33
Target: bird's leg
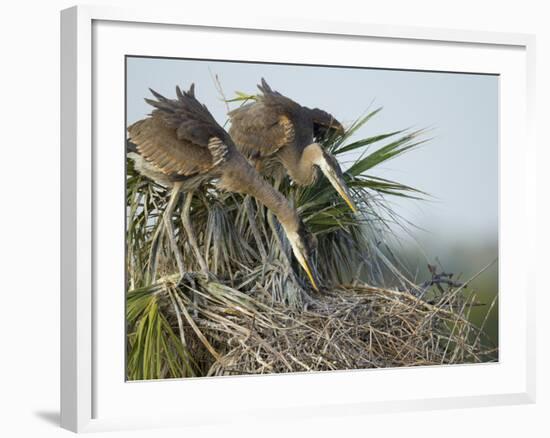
x=154 y=253
x=190 y=233
x=168 y=212
x=186 y=220
x=165 y=223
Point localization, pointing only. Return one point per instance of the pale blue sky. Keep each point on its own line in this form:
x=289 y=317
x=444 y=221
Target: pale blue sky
x=458 y=167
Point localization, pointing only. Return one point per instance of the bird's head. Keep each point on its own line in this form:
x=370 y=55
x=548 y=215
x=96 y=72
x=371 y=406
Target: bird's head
x=303 y=245
x=328 y=164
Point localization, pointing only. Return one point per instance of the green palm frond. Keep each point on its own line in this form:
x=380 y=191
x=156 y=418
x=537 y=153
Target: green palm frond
x=242 y=97
x=154 y=350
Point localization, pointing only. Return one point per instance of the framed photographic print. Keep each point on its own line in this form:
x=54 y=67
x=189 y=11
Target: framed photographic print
x=274 y=217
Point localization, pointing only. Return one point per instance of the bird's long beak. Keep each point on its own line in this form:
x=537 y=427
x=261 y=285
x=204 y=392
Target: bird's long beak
x=301 y=254
x=310 y=271
x=337 y=180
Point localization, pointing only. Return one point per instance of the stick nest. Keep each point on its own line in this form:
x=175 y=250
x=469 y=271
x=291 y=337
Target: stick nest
x=226 y=332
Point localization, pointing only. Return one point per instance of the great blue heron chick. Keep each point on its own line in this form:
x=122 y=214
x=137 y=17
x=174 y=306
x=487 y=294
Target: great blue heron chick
x=182 y=144
x=275 y=130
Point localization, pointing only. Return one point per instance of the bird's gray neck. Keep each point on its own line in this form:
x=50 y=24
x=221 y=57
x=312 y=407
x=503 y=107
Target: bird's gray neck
x=300 y=163
x=241 y=177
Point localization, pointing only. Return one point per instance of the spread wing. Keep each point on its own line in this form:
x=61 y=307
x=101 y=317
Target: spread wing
x=261 y=128
x=180 y=137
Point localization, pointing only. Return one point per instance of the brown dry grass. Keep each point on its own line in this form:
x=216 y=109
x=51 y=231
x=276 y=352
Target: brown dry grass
x=227 y=332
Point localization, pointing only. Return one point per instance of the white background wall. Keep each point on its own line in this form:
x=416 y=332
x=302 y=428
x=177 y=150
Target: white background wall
x=29 y=199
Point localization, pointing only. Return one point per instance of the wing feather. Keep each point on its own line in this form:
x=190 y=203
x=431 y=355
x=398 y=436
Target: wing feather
x=261 y=128
x=159 y=145
x=177 y=135
x=258 y=132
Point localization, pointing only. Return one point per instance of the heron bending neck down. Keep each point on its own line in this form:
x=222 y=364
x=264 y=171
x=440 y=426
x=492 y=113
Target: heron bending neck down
x=239 y=176
x=184 y=146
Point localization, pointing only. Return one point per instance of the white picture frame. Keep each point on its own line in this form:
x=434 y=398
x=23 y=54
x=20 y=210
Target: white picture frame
x=93 y=390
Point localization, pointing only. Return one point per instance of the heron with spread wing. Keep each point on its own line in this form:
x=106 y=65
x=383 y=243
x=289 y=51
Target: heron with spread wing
x=280 y=135
x=181 y=145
